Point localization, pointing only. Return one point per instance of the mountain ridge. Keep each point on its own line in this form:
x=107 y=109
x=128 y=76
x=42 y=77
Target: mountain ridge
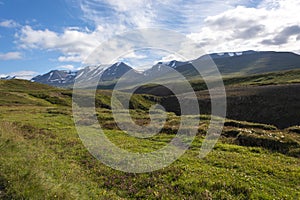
x=229 y=64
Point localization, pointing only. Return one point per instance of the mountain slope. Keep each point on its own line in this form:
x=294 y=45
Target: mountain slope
x=244 y=63
x=252 y=62
x=56 y=77
x=229 y=64
x=63 y=78
x=271 y=98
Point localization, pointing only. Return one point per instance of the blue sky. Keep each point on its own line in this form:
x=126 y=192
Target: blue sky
x=39 y=35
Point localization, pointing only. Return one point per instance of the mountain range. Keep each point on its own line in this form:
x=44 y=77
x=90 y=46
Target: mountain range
x=66 y=78
x=231 y=64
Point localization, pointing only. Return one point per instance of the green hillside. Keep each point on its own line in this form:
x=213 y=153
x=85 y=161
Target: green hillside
x=42 y=157
x=270 y=98
x=252 y=62
x=271 y=78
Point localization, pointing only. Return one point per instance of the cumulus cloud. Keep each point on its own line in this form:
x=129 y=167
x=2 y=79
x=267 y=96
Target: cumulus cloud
x=271 y=25
x=250 y=32
x=10 y=56
x=284 y=35
x=215 y=25
x=74 y=44
x=170 y=57
x=71 y=58
x=8 y=23
x=67 y=67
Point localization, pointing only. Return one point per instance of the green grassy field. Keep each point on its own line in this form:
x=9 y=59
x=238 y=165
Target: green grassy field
x=271 y=78
x=42 y=156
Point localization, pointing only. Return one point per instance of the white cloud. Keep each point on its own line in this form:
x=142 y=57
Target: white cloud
x=70 y=58
x=273 y=25
x=21 y=74
x=8 y=23
x=180 y=15
x=216 y=26
x=10 y=56
x=74 y=44
x=269 y=4
x=171 y=57
x=68 y=67
x=117 y=15
x=135 y=55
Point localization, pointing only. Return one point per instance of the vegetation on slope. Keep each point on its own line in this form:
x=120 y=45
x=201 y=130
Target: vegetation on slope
x=271 y=78
x=271 y=98
x=42 y=157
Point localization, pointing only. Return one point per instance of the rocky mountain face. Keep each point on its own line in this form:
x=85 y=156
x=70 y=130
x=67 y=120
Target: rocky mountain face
x=243 y=63
x=56 y=77
x=67 y=78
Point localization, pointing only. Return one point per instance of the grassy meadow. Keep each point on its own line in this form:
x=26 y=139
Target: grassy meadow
x=42 y=156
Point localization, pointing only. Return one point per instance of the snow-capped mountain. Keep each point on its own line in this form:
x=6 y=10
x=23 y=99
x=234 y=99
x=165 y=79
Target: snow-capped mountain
x=115 y=71
x=89 y=73
x=7 y=77
x=242 y=63
x=174 y=63
x=56 y=77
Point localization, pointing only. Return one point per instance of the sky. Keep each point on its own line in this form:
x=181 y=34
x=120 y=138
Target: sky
x=37 y=36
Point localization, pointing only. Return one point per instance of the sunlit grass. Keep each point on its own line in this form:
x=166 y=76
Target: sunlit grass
x=53 y=163
x=42 y=156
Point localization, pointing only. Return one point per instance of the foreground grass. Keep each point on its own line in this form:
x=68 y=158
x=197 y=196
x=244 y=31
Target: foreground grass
x=42 y=157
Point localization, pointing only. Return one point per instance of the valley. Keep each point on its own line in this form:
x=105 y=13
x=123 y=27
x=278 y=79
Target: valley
x=144 y=99
x=43 y=157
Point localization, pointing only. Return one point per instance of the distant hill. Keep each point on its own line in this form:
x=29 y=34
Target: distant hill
x=243 y=63
x=269 y=98
x=252 y=62
x=268 y=104
x=21 y=85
